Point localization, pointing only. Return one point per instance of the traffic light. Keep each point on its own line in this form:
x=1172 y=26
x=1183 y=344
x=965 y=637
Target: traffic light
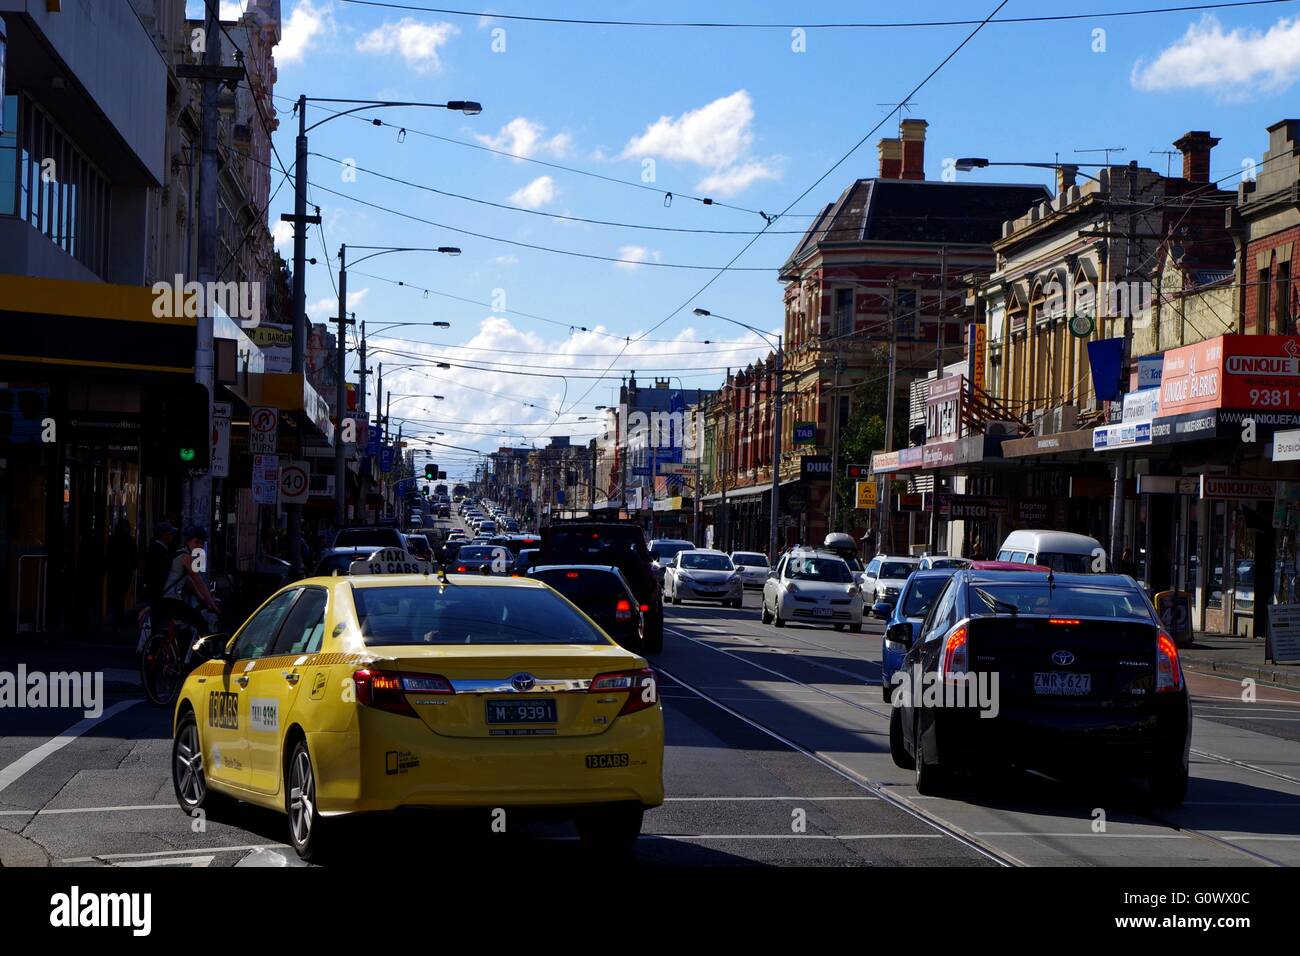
x=186 y=439
x=431 y=472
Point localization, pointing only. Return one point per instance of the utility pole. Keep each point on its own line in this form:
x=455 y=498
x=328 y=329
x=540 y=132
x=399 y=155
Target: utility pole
x=1121 y=459
x=696 y=499
x=885 y=536
x=341 y=389
x=361 y=373
x=199 y=487
x=835 y=439
x=776 y=448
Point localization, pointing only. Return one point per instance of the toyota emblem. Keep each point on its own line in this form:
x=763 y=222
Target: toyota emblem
x=523 y=682
x=1062 y=658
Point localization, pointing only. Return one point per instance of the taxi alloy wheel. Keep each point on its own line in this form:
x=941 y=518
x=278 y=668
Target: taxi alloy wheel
x=300 y=800
x=188 y=777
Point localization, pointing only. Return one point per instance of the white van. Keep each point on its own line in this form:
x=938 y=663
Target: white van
x=1058 y=550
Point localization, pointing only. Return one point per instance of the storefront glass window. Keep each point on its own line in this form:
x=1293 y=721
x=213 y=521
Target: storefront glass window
x=1218 y=540
x=9 y=156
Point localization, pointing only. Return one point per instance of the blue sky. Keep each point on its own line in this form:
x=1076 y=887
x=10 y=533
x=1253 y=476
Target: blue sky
x=734 y=114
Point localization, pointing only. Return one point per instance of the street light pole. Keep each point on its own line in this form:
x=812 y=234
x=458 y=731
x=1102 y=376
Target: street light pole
x=341 y=389
x=776 y=450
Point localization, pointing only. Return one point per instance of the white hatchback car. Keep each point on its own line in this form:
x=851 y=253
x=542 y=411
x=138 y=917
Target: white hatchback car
x=813 y=587
x=753 y=567
x=703 y=575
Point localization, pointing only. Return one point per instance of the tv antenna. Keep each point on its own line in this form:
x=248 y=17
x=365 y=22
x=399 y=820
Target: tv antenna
x=1169 y=154
x=1104 y=149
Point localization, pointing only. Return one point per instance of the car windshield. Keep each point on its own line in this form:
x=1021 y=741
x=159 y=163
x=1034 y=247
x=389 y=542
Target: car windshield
x=749 y=559
x=706 y=562
x=1071 y=563
x=664 y=551
x=921 y=594
x=939 y=563
x=1061 y=599
x=465 y=614
x=361 y=537
x=830 y=570
x=895 y=569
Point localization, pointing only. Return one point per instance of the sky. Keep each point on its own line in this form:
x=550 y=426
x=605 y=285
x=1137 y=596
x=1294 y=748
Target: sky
x=762 y=121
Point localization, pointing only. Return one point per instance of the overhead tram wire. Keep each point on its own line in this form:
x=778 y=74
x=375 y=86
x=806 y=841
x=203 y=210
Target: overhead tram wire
x=916 y=89
x=878 y=25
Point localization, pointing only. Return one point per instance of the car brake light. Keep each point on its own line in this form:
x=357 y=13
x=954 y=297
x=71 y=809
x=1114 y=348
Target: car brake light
x=955 y=658
x=461 y=568
x=645 y=607
x=640 y=686
x=1169 y=671
x=571 y=574
x=1063 y=620
x=387 y=691
x=622 y=610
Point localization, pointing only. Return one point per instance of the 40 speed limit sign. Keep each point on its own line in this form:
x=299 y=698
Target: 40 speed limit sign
x=295 y=479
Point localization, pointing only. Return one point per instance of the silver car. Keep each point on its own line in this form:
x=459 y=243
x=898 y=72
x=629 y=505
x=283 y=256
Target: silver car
x=753 y=567
x=703 y=575
x=813 y=587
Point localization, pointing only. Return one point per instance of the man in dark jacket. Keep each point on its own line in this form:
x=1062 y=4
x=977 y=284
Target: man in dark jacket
x=158 y=561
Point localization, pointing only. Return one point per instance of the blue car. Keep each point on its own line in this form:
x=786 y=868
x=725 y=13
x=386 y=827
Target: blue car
x=914 y=599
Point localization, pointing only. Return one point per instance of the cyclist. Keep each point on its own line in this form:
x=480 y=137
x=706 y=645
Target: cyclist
x=184 y=591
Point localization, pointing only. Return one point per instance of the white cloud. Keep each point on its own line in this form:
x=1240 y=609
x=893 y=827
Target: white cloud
x=418 y=43
x=523 y=137
x=634 y=255
x=304 y=25
x=281 y=234
x=1231 y=64
x=736 y=179
x=328 y=308
x=505 y=260
x=718 y=136
x=536 y=194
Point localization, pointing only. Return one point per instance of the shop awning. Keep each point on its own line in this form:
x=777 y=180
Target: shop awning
x=1054 y=444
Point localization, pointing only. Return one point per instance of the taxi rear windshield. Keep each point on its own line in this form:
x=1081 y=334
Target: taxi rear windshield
x=428 y=614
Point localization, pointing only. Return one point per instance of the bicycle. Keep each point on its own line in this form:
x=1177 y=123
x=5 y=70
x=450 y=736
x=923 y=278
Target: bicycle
x=163 y=664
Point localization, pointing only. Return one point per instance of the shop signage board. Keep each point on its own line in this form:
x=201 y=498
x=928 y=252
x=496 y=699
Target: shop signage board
x=815 y=467
x=805 y=433
x=943 y=409
x=1284 y=632
x=1232 y=371
x=1286 y=446
x=1168 y=485
x=867 y=494
x=1241 y=487
x=957 y=507
x=1123 y=435
x=857 y=471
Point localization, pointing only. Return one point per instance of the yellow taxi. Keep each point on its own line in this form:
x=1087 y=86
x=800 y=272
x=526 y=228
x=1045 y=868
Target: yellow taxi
x=374 y=691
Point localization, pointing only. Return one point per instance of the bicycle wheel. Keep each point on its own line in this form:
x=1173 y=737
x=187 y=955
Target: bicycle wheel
x=161 y=669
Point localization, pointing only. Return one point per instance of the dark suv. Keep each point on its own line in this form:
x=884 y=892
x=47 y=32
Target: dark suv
x=611 y=544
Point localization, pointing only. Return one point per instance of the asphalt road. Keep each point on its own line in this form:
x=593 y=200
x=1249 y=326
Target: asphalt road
x=777 y=754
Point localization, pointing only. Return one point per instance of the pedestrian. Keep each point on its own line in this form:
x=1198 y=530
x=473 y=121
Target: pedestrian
x=158 y=561
x=120 y=567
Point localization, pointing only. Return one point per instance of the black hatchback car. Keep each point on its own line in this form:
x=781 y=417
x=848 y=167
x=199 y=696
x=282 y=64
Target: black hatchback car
x=603 y=594
x=1060 y=672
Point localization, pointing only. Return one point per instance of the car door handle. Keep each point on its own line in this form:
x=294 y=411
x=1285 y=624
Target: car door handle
x=292 y=676
x=242 y=680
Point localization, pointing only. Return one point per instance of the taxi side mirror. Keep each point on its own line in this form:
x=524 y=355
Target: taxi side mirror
x=212 y=647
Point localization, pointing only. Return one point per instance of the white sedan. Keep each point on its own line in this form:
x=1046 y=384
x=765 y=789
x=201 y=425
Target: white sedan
x=753 y=567
x=813 y=588
x=703 y=575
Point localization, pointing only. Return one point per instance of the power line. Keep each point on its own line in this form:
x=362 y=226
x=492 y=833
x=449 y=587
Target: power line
x=879 y=25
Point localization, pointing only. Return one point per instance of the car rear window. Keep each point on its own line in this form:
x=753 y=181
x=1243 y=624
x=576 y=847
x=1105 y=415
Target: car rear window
x=576 y=546
x=1063 y=600
x=583 y=586
x=430 y=614
x=1072 y=563
x=895 y=569
x=749 y=560
x=664 y=550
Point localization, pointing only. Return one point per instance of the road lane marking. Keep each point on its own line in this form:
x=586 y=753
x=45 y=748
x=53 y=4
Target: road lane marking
x=796 y=836
x=158 y=854
x=1083 y=833
x=1243 y=765
x=32 y=758
x=48 y=812
x=945 y=828
x=772 y=799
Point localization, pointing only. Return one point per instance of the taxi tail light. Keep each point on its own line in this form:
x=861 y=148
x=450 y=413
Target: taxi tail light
x=955 y=657
x=1169 y=670
x=387 y=690
x=623 y=610
x=641 y=687
x=645 y=607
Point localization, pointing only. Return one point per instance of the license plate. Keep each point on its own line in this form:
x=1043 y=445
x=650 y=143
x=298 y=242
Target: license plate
x=1062 y=683
x=521 y=712
x=822 y=612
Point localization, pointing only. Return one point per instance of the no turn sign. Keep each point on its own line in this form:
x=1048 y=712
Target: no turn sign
x=294 y=481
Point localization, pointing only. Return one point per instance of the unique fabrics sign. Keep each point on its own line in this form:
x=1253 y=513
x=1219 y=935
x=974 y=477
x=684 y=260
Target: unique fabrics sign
x=1232 y=371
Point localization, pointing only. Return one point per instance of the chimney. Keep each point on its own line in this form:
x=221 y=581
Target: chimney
x=1195 y=147
x=912 y=133
x=891 y=158
x=1067 y=175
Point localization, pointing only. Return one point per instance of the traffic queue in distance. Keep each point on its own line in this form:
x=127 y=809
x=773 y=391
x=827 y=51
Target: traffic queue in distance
x=388 y=686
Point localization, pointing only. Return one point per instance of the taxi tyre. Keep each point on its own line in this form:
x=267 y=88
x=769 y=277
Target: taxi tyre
x=610 y=830
x=856 y=628
x=931 y=779
x=206 y=799
x=897 y=748
x=316 y=843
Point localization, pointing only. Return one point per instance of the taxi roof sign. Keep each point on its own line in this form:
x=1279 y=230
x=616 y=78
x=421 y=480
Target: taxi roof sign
x=390 y=561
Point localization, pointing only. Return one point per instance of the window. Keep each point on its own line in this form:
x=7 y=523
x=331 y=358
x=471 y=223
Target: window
x=829 y=570
x=1285 y=320
x=693 y=561
x=906 y=317
x=256 y=635
x=943 y=609
x=1032 y=597
x=1261 y=303
x=873 y=569
x=921 y=595
x=9 y=155
x=843 y=316
x=304 y=628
